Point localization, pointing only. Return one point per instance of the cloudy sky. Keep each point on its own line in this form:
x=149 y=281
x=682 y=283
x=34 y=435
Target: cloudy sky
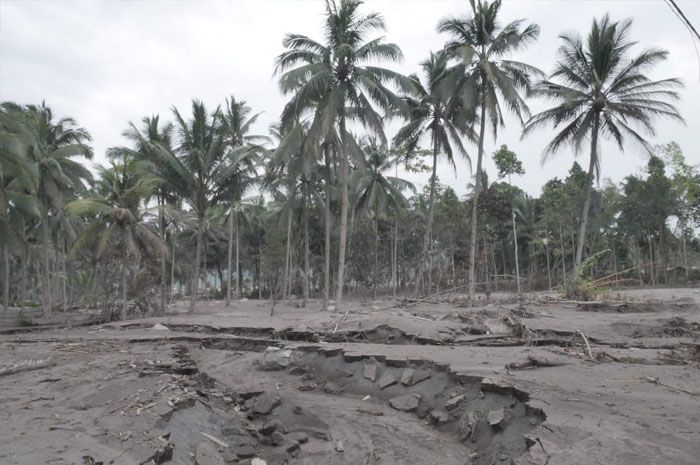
x=108 y=62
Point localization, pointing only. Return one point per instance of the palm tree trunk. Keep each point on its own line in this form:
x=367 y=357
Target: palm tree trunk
x=228 y=257
x=25 y=264
x=563 y=255
x=123 y=291
x=515 y=251
x=394 y=258
x=344 y=203
x=206 y=268
x=172 y=268
x=287 y=257
x=685 y=253
x=197 y=259
x=327 y=233
x=46 y=292
x=6 y=277
x=238 y=262
x=589 y=189
x=64 y=275
x=376 y=256
x=163 y=265
x=307 y=267
x=429 y=227
x=475 y=202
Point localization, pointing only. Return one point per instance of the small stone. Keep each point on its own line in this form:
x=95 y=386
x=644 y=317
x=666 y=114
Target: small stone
x=297 y=370
x=159 y=327
x=297 y=410
x=370 y=371
x=454 y=402
x=406 y=403
x=272 y=426
x=244 y=451
x=332 y=388
x=495 y=417
x=277 y=438
x=257 y=461
x=308 y=386
x=207 y=454
x=264 y=403
x=439 y=416
x=533 y=421
x=386 y=380
x=274 y=358
x=298 y=436
x=293 y=448
x=348 y=372
x=409 y=377
x=339 y=447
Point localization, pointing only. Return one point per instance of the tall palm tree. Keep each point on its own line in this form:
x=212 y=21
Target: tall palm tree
x=602 y=91
x=428 y=113
x=483 y=80
x=49 y=146
x=335 y=82
x=117 y=227
x=151 y=133
x=199 y=170
x=376 y=192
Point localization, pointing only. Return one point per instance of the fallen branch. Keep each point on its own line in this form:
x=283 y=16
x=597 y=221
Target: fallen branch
x=534 y=362
x=588 y=346
x=26 y=365
x=674 y=388
x=213 y=439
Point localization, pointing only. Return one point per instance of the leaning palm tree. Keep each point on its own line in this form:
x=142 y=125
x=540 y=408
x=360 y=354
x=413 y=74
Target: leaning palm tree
x=602 y=91
x=49 y=146
x=428 y=114
x=336 y=83
x=483 y=80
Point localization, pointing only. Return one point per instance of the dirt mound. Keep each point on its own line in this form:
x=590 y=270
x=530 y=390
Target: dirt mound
x=670 y=327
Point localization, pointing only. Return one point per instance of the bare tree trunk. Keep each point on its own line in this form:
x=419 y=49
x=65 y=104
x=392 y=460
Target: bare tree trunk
x=475 y=202
x=651 y=262
x=64 y=275
x=123 y=291
x=46 y=292
x=25 y=264
x=197 y=259
x=6 y=277
x=238 y=257
x=287 y=257
x=563 y=256
x=344 y=204
x=685 y=253
x=228 y=258
x=163 y=258
x=172 y=268
x=307 y=266
x=394 y=258
x=429 y=226
x=589 y=188
x=515 y=249
x=376 y=256
x=327 y=233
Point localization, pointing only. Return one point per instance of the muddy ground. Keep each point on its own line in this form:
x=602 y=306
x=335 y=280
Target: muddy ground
x=543 y=381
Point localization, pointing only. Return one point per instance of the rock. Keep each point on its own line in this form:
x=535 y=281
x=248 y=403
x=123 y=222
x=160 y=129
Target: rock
x=243 y=299
x=277 y=438
x=339 y=447
x=386 y=380
x=348 y=372
x=331 y=308
x=308 y=386
x=264 y=403
x=406 y=403
x=454 y=402
x=292 y=448
x=274 y=358
x=495 y=417
x=332 y=388
x=409 y=377
x=298 y=370
x=159 y=327
x=272 y=426
x=533 y=421
x=370 y=371
x=207 y=454
x=439 y=416
x=257 y=461
x=244 y=451
x=298 y=436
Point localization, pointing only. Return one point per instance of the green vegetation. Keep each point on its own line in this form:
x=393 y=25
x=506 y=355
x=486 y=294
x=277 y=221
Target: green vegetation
x=201 y=208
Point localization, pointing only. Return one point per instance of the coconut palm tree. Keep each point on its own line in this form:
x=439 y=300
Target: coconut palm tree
x=483 y=80
x=49 y=146
x=428 y=114
x=376 y=192
x=117 y=228
x=601 y=91
x=336 y=83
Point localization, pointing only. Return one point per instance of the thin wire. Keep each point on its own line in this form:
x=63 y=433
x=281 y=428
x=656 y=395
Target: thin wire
x=691 y=29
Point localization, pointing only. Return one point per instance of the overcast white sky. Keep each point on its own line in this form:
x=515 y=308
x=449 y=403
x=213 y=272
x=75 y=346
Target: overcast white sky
x=108 y=62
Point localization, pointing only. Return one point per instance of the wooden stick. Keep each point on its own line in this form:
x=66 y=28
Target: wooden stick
x=588 y=347
x=213 y=439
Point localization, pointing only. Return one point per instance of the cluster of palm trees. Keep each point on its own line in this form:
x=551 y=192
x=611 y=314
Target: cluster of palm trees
x=187 y=188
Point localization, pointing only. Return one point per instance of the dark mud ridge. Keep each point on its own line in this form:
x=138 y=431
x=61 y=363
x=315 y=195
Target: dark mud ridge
x=332 y=399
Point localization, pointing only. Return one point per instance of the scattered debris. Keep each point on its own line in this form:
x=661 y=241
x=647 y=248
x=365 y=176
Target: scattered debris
x=274 y=358
x=406 y=403
x=26 y=365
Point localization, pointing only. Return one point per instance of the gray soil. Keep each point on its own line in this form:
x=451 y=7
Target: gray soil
x=389 y=382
